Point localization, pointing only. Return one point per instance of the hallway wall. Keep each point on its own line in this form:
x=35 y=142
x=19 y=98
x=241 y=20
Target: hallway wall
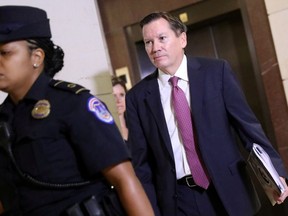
x=77 y=28
x=278 y=16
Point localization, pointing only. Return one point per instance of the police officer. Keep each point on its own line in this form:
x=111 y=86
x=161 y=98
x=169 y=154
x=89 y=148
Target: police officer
x=59 y=143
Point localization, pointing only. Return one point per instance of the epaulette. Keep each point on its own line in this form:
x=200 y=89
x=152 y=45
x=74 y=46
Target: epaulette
x=67 y=86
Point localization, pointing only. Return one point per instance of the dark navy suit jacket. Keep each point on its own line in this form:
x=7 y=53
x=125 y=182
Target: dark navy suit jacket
x=218 y=104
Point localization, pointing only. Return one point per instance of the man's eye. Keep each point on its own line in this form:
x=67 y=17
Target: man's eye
x=162 y=38
x=3 y=53
x=147 y=42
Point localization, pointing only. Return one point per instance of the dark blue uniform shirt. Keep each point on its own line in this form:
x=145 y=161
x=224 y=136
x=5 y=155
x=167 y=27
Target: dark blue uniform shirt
x=70 y=137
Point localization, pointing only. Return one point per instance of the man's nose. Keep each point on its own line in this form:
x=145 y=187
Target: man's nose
x=156 y=46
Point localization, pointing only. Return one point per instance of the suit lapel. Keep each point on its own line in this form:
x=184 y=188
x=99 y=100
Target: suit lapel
x=196 y=83
x=154 y=104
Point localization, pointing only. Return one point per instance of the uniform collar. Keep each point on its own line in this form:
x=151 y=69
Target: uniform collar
x=38 y=89
x=37 y=92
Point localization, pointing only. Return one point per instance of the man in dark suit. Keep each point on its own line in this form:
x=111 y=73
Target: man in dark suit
x=217 y=105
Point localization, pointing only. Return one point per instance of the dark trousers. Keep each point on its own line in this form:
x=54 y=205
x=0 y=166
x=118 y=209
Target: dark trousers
x=196 y=201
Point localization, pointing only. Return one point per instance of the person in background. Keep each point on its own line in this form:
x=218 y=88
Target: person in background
x=195 y=167
x=119 y=92
x=60 y=148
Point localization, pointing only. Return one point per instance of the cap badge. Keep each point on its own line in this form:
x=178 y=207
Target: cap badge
x=41 y=109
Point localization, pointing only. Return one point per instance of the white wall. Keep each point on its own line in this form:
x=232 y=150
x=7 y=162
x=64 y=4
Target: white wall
x=76 y=27
x=278 y=15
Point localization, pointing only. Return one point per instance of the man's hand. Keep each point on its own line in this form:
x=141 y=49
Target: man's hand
x=284 y=195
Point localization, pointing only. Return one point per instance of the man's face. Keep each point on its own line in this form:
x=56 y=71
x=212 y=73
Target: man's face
x=164 y=48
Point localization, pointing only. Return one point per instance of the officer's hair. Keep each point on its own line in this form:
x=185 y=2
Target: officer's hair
x=54 y=55
x=175 y=23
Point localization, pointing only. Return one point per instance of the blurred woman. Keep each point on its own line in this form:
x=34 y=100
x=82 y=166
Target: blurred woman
x=119 y=92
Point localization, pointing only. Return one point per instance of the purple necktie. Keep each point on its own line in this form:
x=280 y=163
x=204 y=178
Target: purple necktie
x=184 y=121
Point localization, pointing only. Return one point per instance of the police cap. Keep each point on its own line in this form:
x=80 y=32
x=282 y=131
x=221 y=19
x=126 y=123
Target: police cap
x=23 y=22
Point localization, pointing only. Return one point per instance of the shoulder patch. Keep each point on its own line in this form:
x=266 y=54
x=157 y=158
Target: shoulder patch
x=99 y=109
x=72 y=87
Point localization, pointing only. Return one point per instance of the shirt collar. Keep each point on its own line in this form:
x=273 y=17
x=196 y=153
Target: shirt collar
x=181 y=72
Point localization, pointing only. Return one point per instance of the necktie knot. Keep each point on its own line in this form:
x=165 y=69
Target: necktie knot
x=174 y=80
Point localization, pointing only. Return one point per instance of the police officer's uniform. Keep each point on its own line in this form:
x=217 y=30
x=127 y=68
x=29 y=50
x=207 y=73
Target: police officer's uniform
x=61 y=134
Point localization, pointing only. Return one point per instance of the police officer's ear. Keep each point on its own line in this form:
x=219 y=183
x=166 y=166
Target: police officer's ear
x=37 y=57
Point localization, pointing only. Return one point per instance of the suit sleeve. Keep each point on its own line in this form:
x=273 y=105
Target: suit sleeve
x=244 y=120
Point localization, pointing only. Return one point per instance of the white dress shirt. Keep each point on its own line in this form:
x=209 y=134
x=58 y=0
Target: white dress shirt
x=165 y=88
